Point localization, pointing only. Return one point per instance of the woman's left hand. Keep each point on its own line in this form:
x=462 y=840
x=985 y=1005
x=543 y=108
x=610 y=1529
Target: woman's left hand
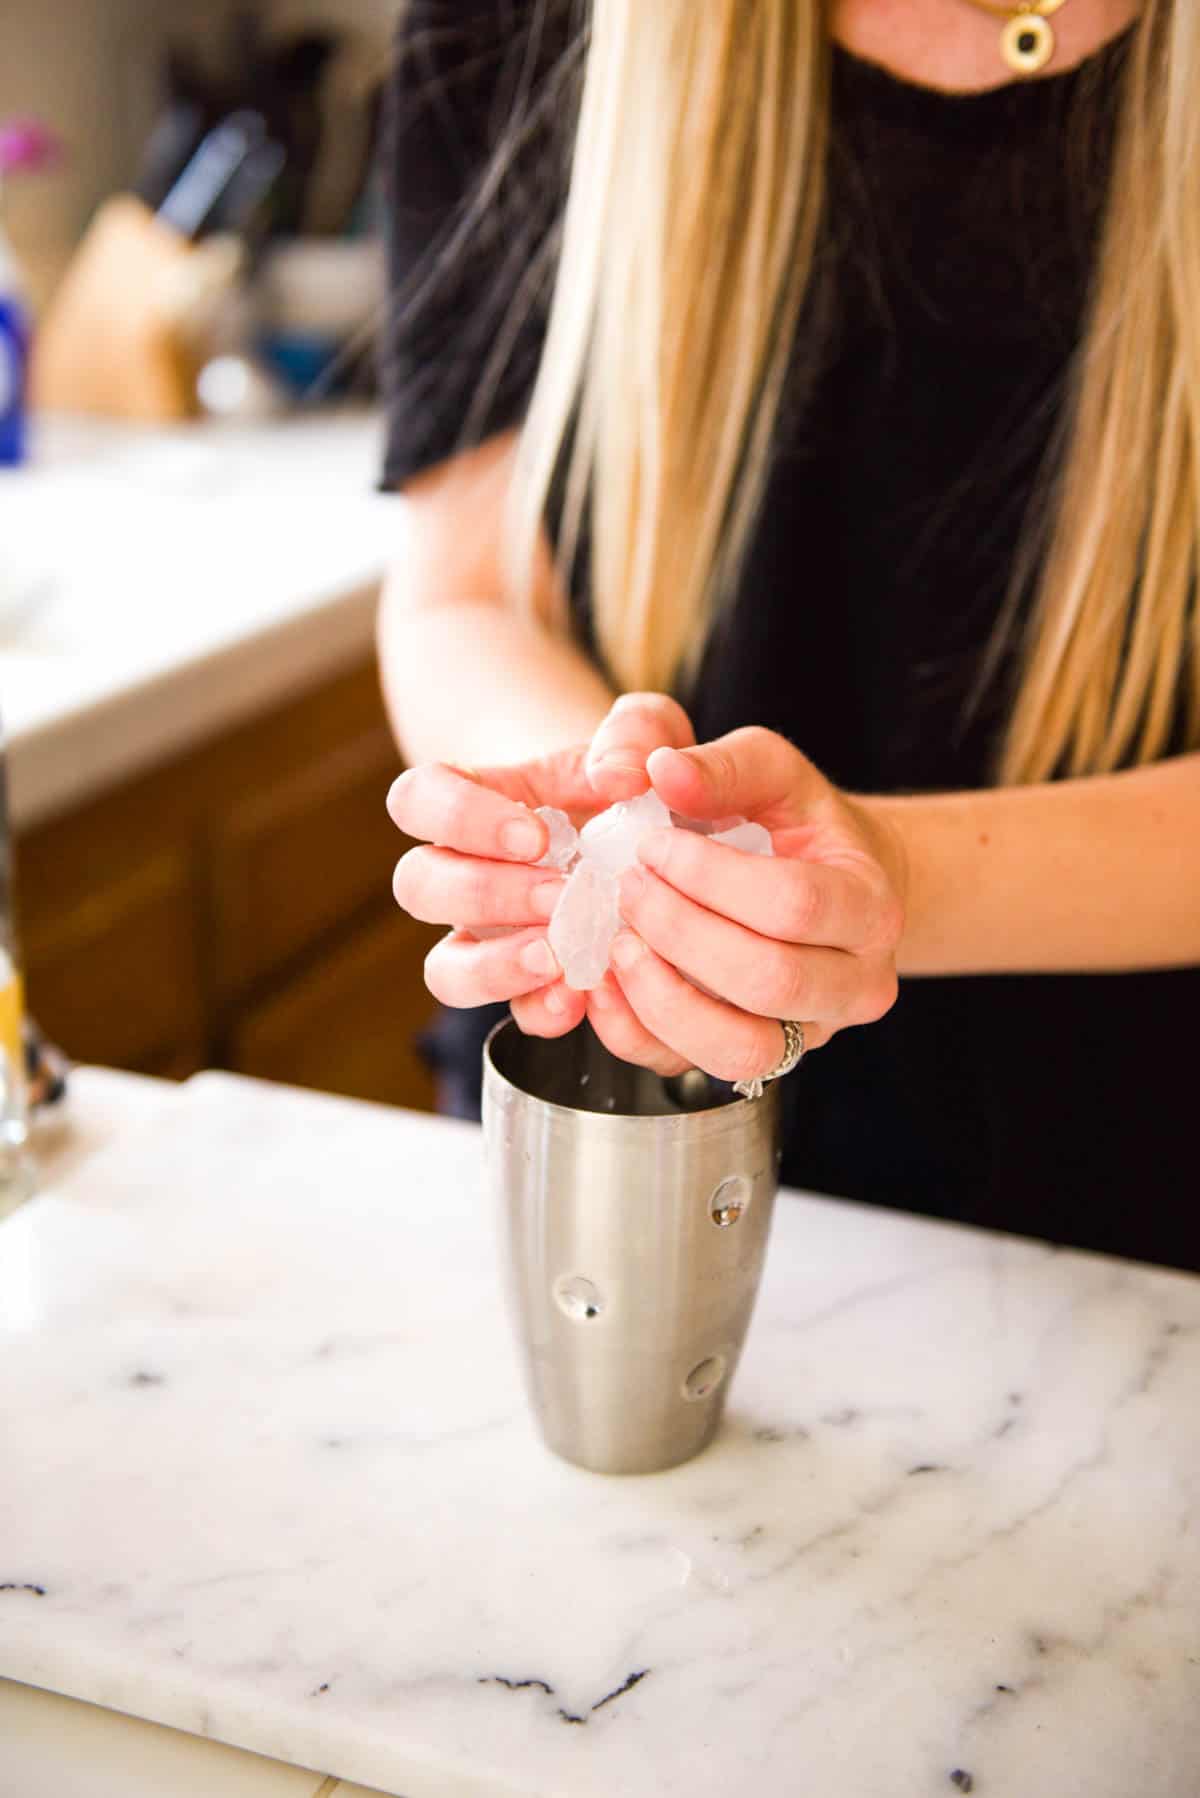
x=809 y=934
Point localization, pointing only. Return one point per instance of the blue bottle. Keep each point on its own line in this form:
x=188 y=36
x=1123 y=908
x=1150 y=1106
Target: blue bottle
x=14 y=359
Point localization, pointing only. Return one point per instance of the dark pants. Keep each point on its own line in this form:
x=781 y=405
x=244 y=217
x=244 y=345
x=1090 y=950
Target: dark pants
x=452 y=1048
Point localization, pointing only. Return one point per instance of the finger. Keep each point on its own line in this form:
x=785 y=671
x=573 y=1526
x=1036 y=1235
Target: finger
x=448 y=806
x=460 y=970
x=711 y=1035
x=756 y=973
x=750 y=773
x=438 y=886
x=638 y=724
x=550 y=1012
x=783 y=897
x=559 y=779
x=623 y=1034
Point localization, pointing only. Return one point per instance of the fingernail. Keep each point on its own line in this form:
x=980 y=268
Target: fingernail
x=633 y=885
x=628 y=950
x=654 y=848
x=520 y=839
x=398 y=785
x=554 y=1000
x=613 y=770
x=538 y=958
x=601 y=997
x=547 y=896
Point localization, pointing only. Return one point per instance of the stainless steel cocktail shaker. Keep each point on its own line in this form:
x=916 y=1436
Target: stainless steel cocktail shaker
x=634 y=1215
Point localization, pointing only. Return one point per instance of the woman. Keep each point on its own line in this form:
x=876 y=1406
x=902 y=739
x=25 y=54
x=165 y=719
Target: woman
x=840 y=370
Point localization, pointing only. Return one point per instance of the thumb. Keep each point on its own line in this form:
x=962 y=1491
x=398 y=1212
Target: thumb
x=751 y=773
x=637 y=724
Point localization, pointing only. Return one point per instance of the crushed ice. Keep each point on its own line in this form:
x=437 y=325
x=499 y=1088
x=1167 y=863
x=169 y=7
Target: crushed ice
x=587 y=916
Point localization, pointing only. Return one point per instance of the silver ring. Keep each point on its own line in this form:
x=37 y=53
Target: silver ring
x=793 y=1055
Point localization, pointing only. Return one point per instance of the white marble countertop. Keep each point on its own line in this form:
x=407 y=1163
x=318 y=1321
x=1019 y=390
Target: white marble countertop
x=269 y=1478
x=158 y=585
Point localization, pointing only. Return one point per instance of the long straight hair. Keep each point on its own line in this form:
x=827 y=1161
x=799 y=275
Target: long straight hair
x=692 y=217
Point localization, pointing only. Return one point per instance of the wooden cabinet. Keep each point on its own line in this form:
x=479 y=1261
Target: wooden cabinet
x=233 y=909
x=348 y=1023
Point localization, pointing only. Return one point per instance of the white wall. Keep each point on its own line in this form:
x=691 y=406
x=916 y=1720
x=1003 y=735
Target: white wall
x=91 y=69
x=365 y=15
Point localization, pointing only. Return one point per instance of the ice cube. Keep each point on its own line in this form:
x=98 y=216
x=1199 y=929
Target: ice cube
x=611 y=838
x=564 y=838
x=586 y=919
x=751 y=839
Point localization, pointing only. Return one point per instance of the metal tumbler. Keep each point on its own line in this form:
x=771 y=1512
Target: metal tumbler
x=634 y=1215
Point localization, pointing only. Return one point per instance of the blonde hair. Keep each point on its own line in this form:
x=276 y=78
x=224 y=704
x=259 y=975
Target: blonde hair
x=688 y=241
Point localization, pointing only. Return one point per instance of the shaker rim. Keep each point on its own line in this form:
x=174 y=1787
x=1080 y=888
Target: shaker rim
x=709 y=1117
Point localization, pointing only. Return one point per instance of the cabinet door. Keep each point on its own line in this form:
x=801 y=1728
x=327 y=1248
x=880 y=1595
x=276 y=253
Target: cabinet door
x=297 y=855
x=110 y=947
x=348 y=1023
x=234 y=908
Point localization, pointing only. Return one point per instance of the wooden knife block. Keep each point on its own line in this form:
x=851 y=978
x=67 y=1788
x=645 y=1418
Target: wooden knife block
x=110 y=340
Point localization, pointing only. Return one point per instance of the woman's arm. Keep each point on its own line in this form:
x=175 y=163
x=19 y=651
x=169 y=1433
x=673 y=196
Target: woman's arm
x=1100 y=874
x=466 y=679
x=469 y=682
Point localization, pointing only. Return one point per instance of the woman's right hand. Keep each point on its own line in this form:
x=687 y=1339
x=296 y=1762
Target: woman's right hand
x=478 y=846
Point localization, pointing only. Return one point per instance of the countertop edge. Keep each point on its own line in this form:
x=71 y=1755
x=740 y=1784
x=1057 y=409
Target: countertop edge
x=56 y=765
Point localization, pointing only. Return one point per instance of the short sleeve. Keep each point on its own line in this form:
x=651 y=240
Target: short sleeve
x=472 y=177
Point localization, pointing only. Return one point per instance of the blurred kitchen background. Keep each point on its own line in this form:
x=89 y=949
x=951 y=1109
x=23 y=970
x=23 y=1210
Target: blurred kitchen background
x=197 y=755
x=98 y=72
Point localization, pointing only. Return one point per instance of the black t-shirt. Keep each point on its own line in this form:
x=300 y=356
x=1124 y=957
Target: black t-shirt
x=931 y=368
